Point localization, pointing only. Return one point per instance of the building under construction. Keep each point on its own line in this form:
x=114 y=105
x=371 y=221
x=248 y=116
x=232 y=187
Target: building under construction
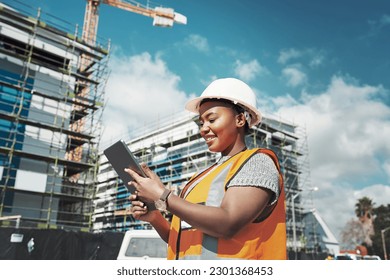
x=51 y=95
x=174 y=149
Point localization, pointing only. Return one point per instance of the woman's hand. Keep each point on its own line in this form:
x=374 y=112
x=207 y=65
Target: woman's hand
x=148 y=188
x=140 y=211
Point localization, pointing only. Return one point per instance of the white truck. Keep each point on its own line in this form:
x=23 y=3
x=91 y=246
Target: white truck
x=142 y=244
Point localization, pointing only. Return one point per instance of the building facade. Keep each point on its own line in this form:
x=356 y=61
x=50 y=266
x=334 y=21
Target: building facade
x=51 y=94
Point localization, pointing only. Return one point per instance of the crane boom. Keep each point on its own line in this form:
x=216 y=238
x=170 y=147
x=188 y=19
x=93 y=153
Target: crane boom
x=164 y=17
x=135 y=8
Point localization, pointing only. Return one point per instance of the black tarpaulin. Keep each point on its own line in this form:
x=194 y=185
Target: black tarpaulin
x=50 y=244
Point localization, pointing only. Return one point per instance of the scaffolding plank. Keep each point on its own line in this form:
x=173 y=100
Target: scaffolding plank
x=76 y=100
x=78 y=165
x=13 y=118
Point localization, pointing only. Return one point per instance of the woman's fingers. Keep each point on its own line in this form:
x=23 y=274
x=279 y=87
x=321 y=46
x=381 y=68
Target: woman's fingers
x=138 y=211
x=138 y=208
x=136 y=202
x=149 y=173
x=133 y=197
x=137 y=179
x=149 y=188
x=133 y=174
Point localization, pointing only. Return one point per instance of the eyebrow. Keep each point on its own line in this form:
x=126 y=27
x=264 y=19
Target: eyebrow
x=206 y=116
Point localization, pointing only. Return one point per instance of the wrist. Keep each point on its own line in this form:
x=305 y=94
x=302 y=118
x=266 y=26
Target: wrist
x=161 y=204
x=168 y=197
x=159 y=193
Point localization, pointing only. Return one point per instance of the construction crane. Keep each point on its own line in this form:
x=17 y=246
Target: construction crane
x=164 y=17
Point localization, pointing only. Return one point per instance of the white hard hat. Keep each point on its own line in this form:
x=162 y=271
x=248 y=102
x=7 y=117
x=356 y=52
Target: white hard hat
x=230 y=89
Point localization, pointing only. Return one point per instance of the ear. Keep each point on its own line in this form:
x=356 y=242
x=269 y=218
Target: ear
x=240 y=120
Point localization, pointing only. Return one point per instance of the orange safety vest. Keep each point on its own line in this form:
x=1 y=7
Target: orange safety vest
x=265 y=239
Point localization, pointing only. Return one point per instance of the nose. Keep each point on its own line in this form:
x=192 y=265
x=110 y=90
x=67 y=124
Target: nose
x=204 y=128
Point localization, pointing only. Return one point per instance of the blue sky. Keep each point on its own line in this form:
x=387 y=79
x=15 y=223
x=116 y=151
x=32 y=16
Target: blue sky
x=321 y=64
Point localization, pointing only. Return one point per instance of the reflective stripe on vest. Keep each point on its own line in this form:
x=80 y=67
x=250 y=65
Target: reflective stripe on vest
x=263 y=240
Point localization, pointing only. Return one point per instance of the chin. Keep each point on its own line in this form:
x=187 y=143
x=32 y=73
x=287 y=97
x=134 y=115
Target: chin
x=215 y=150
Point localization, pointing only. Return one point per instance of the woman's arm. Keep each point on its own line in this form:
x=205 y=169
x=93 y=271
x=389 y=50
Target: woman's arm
x=240 y=206
x=162 y=226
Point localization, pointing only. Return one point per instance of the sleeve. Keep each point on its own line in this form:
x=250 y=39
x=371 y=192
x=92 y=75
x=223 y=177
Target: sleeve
x=259 y=171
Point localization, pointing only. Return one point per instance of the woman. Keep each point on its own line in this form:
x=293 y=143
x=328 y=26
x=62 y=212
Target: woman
x=233 y=209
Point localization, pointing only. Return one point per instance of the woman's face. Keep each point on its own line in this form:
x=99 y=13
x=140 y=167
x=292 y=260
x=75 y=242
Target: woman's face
x=219 y=125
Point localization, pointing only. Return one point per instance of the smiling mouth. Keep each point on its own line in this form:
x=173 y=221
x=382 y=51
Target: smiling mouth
x=209 y=138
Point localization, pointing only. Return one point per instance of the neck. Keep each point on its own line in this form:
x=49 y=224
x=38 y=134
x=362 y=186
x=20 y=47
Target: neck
x=235 y=150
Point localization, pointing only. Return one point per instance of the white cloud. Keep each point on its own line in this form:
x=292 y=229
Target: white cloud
x=294 y=76
x=284 y=101
x=380 y=194
x=316 y=60
x=377 y=25
x=348 y=130
x=198 y=42
x=385 y=20
x=311 y=57
x=287 y=55
x=248 y=71
x=140 y=90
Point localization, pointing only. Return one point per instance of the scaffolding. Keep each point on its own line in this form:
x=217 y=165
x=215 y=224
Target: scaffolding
x=47 y=88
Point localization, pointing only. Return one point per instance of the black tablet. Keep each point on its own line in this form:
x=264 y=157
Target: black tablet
x=120 y=157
